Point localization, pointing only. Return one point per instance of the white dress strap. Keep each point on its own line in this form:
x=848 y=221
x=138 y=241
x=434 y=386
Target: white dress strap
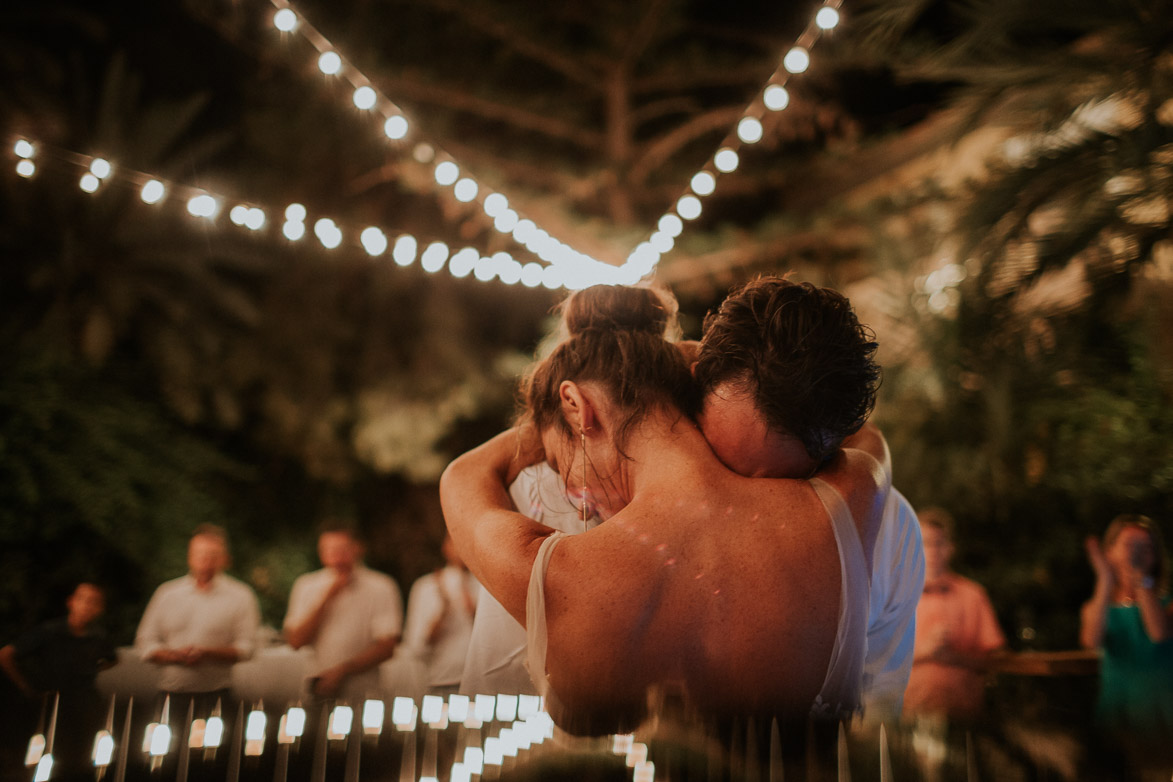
x=535 y=614
x=841 y=694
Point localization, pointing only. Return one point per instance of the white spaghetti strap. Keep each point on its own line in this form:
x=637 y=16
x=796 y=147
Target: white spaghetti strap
x=535 y=614
x=840 y=695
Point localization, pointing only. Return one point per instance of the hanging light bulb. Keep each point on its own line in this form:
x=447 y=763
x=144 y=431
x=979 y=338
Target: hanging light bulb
x=797 y=60
x=404 y=250
x=465 y=190
x=293 y=230
x=749 y=130
x=776 y=97
x=495 y=204
x=153 y=192
x=827 y=18
x=89 y=183
x=24 y=148
x=26 y=168
x=462 y=263
x=726 y=160
x=285 y=20
x=100 y=167
x=295 y=212
x=689 y=207
x=531 y=274
x=203 y=205
x=446 y=173
x=434 y=257
x=703 y=183
x=373 y=241
x=365 y=98
x=395 y=127
x=255 y=219
x=330 y=63
x=671 y=225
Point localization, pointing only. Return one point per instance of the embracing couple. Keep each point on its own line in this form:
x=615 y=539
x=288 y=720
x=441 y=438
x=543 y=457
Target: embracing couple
x=754 y=558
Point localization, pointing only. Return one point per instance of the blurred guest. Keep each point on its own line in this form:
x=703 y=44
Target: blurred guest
x=440 y=610
x=1128 y=617
x=64 y=656
x=957 y=632
x=350 y=616
x=196 y=626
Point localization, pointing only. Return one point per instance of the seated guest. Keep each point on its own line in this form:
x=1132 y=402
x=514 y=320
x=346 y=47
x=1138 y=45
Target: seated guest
x=440 y=610
x=665 y=594
x=1130 y=618
x=956 y=632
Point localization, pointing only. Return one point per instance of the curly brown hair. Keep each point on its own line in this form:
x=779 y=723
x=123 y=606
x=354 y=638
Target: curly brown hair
x=802 y=354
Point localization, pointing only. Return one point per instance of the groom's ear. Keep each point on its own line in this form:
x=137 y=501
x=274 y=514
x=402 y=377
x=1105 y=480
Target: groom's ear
x=577 y=408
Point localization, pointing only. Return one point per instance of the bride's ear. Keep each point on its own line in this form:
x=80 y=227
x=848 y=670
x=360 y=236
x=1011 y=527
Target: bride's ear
x=577 y=408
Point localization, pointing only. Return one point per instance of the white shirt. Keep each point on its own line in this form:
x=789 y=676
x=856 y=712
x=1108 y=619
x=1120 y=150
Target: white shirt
x=180 y=614
x=451 y=593
x=496 y=650
x=367 y=609
x=898 y=578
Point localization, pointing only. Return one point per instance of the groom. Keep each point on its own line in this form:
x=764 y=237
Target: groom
x=768 y=412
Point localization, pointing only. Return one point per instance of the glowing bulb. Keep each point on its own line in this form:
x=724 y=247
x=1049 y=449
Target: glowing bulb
x=238 y=214
x=457 y=704
x=749 y=130
x=495 y=204
x=726 y=160
x=552 y=277
x=103 y=748
x=153 y=192
x=254 y=729
x=431 y=708
x=508 y=270
x=295 y=722
x=465 y=190
x=100 y=167
x=44 y=769
x=402 y=710
x=329 y=63
x=689 y=207
x=776 y=97
x=797 y=60
x=26 y=168
x=661 y=242
x=484 y=269
x=460 y=773
x=531 y=274
x=703 y=183
x=373 y=241
x=203 y=205
x=462 y=263
x=827 y=18
x=493 y=752
x=285 y=20
x=446 y=173
x=160 y=740
x=671 y=225
x=328 y=233
x=372 y=717
x=295 y=212
x=293 y=230
x=255 y=219
x=89 y=183
x=404 y=251
x=506 y=221
x=340 y=721
x=365 y=97
x=24 y=149
x=524 y=231
x=395 y=127
x=433 y=259
x=474 y=759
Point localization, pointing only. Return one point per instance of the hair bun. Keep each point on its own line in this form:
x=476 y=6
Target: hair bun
x=618 y=308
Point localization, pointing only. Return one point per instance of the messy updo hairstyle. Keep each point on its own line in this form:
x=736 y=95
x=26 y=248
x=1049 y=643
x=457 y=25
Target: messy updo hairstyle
x=615 y=337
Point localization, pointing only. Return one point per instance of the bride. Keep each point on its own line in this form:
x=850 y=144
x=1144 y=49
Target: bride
x=745 y=596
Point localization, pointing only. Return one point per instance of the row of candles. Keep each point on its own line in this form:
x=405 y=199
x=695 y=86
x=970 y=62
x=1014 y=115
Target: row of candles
x=521 y=725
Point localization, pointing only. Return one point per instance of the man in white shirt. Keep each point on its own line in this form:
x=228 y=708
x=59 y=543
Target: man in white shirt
x=196 y=626
x=350 y=616
x=440 y=610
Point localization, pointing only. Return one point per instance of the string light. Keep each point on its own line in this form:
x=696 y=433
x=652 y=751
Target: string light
x=797 y=60
x=465 y=190
x=100 y=167
x=203 y=205
x=434 y=257
x=329 y=63
x=776 y=97
x=688 y=207
x=404 y=252
x=153 y=191
x=827 y=18
x=26 y=168
x=671 y=225
x=446 y=173
x=24 y=148
x=703 y=183
x=749 y=130
x=285 y=20
x=395 y=127
x=726 y=160
x=373 y=241
x=89 y=183
x=365 y=98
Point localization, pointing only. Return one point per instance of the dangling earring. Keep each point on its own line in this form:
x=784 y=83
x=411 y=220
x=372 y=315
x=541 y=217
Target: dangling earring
x=582 y=436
